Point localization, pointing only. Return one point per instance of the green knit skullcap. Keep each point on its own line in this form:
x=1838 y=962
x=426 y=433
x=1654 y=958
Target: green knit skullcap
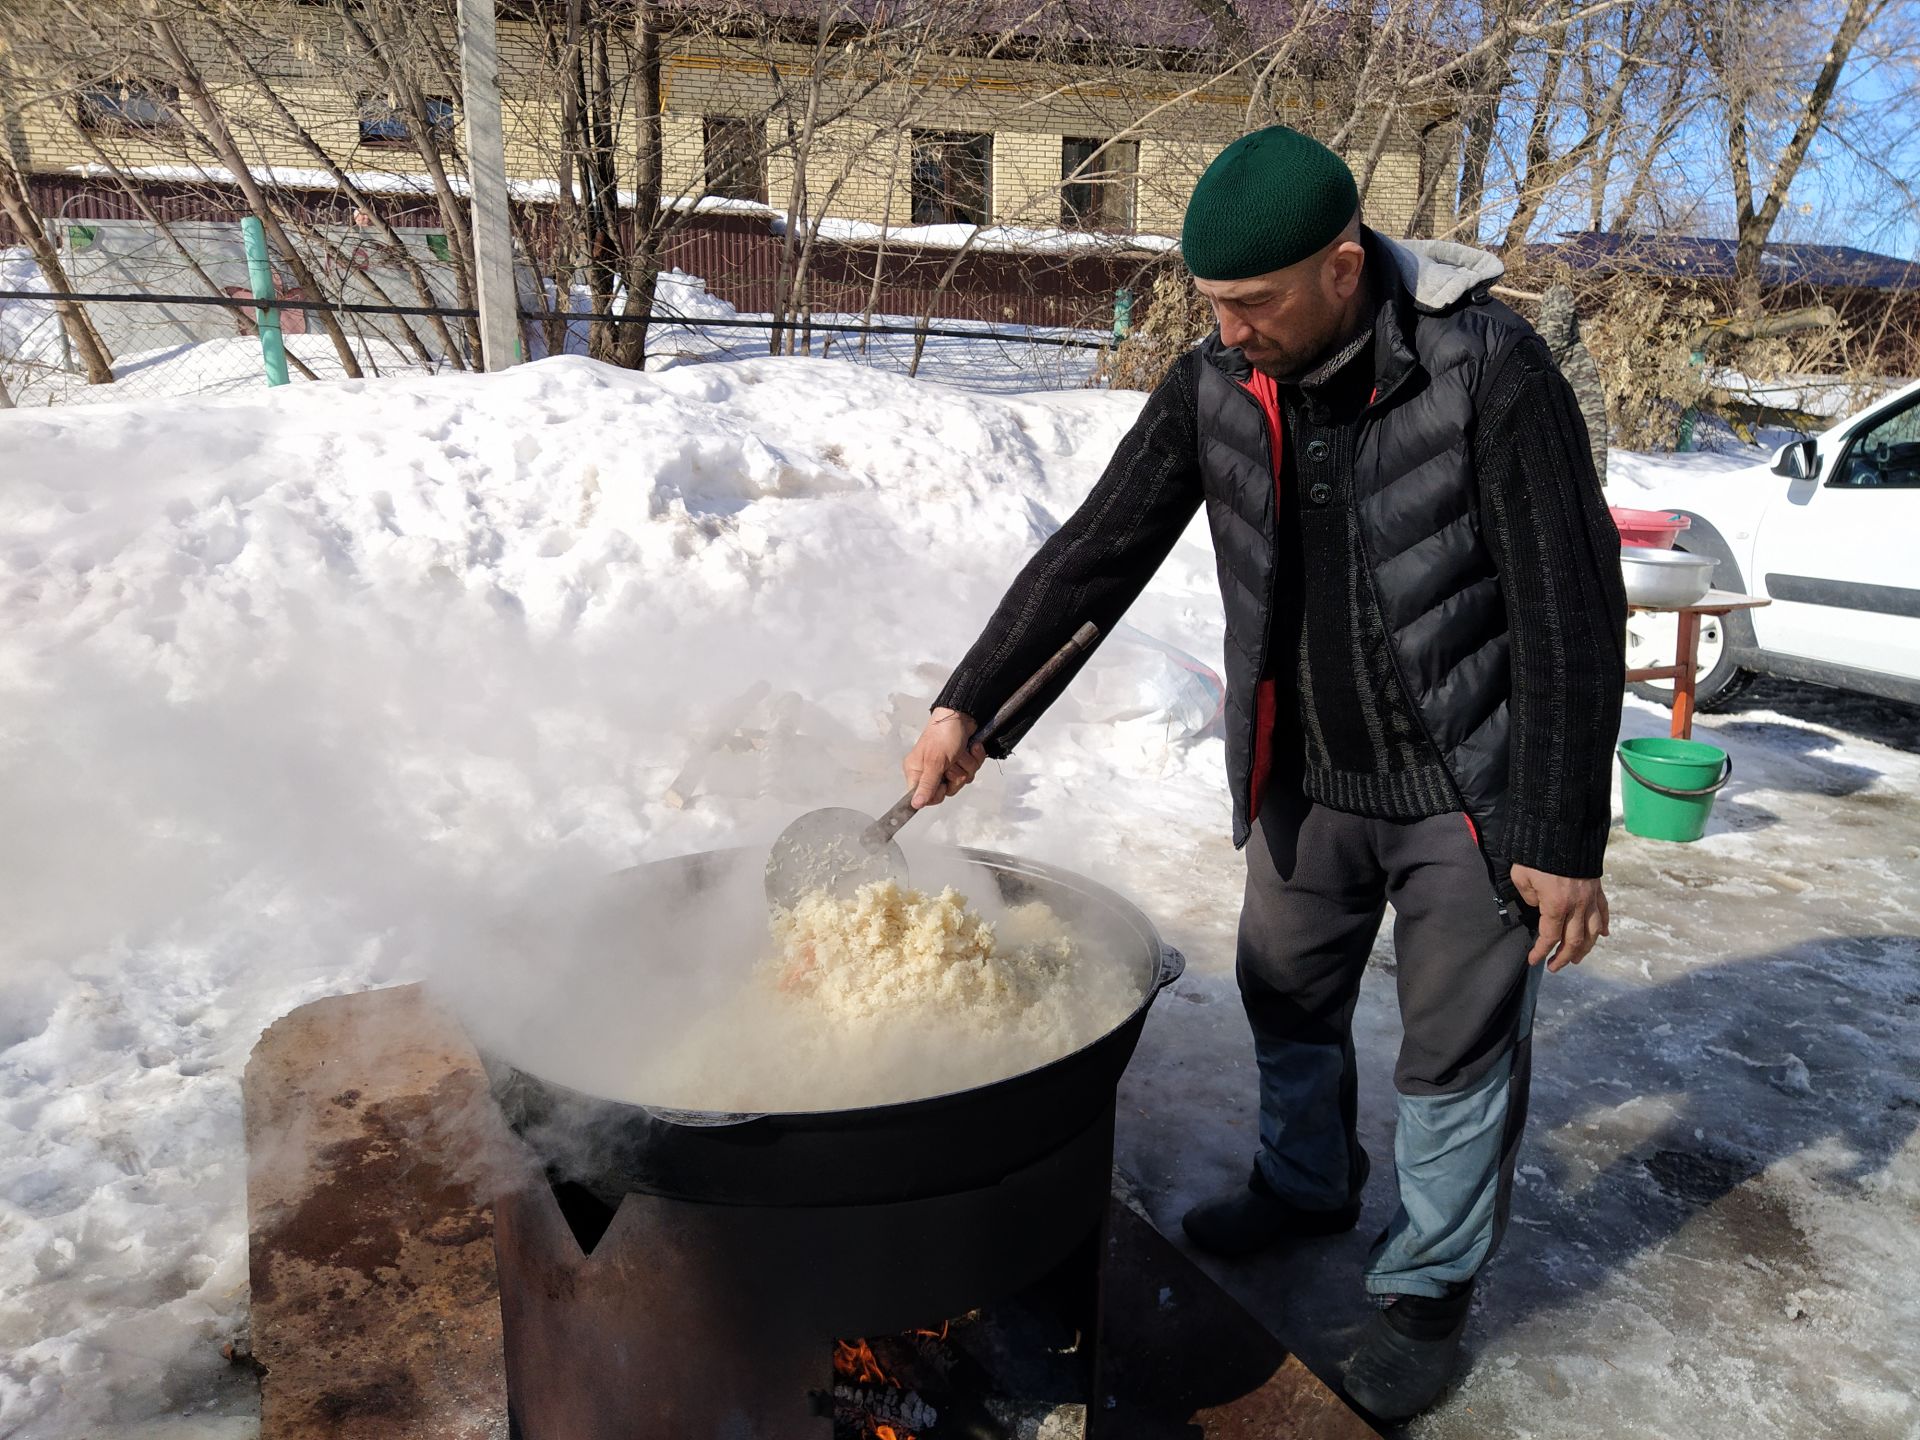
x=1269 y=200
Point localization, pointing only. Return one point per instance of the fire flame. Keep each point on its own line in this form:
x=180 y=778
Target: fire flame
x=854 y=1360
x=857 y=1362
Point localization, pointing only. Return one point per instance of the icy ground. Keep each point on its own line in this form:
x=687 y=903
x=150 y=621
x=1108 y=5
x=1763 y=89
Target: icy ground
x=294 y=685
x=1717 y=1225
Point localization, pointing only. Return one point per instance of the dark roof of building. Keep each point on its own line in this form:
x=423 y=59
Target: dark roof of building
x=1179 y=25
x=1710 y=258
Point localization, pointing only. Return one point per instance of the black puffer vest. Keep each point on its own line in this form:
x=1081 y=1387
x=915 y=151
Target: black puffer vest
x=1414 y=489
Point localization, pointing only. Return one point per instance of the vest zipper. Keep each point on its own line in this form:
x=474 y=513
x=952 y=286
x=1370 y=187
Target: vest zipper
x=1273 y=574
x=1400 y=674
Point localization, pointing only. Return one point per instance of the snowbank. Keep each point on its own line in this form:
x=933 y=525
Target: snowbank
x=1629 y=470
x=293 y=682
x=29 y=329
x=295 y=685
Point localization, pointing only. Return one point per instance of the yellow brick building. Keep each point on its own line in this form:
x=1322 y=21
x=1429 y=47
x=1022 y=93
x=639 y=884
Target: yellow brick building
x=956 y=139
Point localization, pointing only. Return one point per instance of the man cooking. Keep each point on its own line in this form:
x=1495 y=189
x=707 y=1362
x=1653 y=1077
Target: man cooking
x=1424 y=667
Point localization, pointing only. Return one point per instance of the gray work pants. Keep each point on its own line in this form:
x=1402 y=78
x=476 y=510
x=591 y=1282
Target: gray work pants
x=1318 y=882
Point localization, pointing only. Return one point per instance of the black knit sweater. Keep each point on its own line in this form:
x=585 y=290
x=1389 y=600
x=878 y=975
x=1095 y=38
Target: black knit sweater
x=1352 y=740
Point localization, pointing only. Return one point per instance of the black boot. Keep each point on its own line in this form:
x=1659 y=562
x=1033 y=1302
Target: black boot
x=1407 y=1354
x=1251 y=1218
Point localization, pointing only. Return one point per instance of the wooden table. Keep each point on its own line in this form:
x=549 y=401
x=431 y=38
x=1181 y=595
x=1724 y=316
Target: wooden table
x=1685 y=670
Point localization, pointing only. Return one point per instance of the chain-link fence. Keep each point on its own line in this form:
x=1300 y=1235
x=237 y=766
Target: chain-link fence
x=164 y=346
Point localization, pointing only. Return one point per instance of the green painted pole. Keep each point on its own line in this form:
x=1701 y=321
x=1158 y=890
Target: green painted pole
x=273 y=348
x=1691 y=417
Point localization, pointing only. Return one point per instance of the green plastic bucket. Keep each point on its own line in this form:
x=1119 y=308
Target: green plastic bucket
x=1667 y=786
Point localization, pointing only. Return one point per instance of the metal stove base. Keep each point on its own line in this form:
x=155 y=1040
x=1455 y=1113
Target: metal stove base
x=370 y=1137
x=692 y=1321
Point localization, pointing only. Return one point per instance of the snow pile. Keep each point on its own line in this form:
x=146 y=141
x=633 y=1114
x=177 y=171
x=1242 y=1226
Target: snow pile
x=686 y=297
x=210 y=368
x=1027 y=239
x=295 y=685
x=676 y=294
x=294 y=682
x=29 y=329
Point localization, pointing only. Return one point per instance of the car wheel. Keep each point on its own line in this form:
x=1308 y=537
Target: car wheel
x=1653 y=637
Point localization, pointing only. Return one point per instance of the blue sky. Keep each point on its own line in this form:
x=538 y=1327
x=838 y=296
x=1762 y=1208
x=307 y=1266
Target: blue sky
x=1860 y=184
x=1853 y=201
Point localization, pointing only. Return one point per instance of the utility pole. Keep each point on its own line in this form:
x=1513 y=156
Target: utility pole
x=487 y=174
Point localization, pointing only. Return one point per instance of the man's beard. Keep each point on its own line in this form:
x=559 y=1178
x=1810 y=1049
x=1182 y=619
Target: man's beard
x=1336 y=329
x=1294 y=363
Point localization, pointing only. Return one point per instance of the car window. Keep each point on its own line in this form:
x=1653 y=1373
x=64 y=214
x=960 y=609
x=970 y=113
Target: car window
x=1885 y=455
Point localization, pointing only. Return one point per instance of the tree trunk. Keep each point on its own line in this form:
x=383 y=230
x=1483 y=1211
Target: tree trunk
x=1363 y=173
x=1756 y=222
x=385 y=50
x=137 y=198
x=786 y=291
x=1546 y=170
x=563 y=59
x=1434 y=167
x=643 y=266
x=17 y=200
x=606 y=262
x=1488 y=82
x=1673 y=110
x=214 y=128
x=1360 y=38
x=886 y=233
x=361 y=201
x=1539 y=139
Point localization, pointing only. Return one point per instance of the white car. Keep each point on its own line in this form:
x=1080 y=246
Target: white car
x=1829 y=531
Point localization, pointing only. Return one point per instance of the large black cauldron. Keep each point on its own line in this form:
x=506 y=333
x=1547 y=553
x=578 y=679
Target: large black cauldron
x=880 y=1154
x=767 y=1235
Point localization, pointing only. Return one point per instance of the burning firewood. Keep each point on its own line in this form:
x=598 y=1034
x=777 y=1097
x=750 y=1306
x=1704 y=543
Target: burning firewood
x=868 y=1410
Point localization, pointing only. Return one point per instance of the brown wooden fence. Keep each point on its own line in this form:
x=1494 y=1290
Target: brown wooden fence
x=738 y=255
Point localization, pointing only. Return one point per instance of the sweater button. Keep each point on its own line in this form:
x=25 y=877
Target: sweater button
x=1316 y=449
x=1320 y=492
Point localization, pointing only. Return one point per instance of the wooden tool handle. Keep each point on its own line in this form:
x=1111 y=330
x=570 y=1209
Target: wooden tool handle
x=888 y=825
x=1007 y=714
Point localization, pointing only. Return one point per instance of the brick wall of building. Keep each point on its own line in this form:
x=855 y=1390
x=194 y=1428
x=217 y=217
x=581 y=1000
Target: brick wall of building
x=859 y=168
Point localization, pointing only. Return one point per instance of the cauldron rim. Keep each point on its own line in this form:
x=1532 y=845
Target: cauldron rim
x=1169 y=963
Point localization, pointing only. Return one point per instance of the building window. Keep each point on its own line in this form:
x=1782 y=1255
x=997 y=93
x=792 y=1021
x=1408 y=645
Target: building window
x=381 y=123
x=950 y=178
x=1098 y=181
x=130 y=105
x=736 y=158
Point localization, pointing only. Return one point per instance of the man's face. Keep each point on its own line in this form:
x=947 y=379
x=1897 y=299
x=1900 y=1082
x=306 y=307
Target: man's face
x=1286 y=320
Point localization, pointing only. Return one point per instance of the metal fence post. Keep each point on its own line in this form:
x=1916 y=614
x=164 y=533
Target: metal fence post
x=273 y=348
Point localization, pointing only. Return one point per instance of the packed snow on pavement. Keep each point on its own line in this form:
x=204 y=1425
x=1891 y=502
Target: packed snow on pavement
x=301 y=686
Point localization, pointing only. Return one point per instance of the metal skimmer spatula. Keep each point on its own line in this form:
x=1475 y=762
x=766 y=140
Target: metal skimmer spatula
x=840 y=850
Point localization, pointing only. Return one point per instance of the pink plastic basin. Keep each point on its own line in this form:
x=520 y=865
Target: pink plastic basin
x=1655 y=529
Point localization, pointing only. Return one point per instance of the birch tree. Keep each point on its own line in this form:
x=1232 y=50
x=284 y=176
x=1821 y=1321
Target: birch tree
x=1776 y=70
